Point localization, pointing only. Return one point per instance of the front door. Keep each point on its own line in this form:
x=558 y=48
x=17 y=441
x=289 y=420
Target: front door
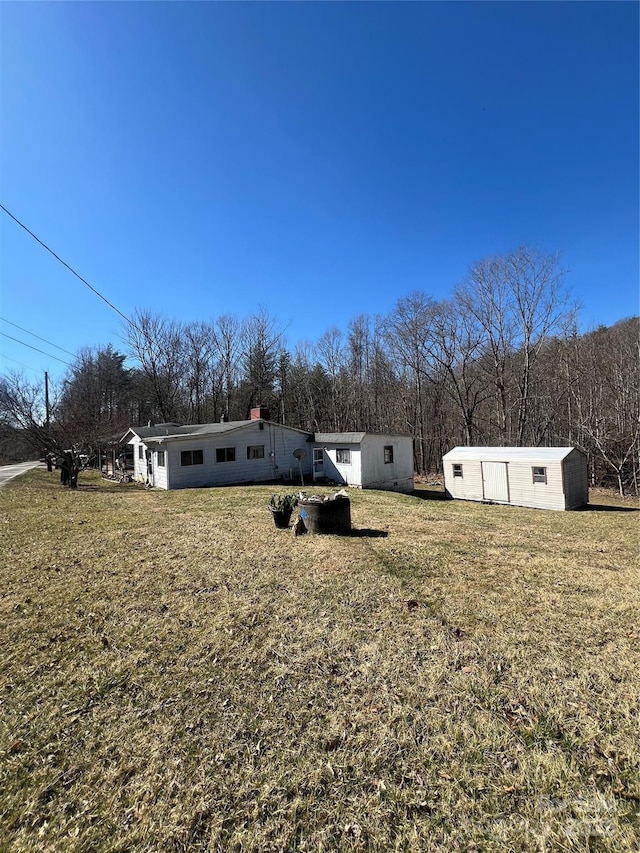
x=318 y=463
x=495 y=482
x=149 y=468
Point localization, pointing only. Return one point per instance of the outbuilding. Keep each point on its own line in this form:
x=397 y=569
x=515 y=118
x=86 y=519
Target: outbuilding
x=364 y=459
x=539 y=477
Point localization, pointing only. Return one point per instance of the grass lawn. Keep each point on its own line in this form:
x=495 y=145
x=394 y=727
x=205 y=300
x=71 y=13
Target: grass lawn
x=177 y=674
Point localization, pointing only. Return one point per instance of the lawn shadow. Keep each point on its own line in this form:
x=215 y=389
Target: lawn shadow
x=367 y=532
x=606 y=508
x=429 y=494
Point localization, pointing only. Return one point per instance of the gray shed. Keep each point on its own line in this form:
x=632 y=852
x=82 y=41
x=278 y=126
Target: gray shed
x=539 y=477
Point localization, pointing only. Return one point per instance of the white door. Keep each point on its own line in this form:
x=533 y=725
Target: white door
x=318 y=463
x=495 y=482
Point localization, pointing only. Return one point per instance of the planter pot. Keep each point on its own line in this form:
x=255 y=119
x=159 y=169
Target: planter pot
x=281 y=517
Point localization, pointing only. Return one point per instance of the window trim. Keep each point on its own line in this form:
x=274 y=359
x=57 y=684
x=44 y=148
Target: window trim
x=225 y=454
x=343 y=450
x=140 y=452
x=388 y=454
x=458 y=470
x=190 y=456
x=161 y=459
x=255 y=447
x=539 y=474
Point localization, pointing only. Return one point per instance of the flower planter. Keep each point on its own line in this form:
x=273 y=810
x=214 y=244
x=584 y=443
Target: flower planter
x=281 y=517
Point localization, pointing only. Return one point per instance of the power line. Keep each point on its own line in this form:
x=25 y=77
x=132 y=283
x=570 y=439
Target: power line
x=55 y=357
x=33 y=335
x=70 y=268
x=15 y=360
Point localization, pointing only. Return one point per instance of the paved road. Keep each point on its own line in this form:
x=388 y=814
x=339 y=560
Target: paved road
x=8 y=472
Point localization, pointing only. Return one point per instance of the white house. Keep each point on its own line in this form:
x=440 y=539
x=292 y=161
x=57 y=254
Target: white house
x=170 y=456
x=540 y=477
x=364 y=459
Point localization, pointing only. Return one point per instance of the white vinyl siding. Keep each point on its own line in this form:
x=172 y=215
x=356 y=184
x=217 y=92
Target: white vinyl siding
x=369 y=468
x=341 y=472
x=278 y=460
x=376 y=473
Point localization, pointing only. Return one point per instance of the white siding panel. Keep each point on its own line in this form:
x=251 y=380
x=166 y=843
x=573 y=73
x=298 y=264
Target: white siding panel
x=378 y=474
x=469 y=486
x=279 y=444
x=340 y=472
x=139 y=465
x=524 y=492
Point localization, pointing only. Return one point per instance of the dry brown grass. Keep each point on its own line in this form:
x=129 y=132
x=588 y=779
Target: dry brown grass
x=176 y=674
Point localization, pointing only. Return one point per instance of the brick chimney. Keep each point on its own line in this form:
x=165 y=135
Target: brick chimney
x=258 y=412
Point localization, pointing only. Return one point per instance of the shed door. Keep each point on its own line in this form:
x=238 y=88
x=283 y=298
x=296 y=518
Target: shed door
x=495 y=482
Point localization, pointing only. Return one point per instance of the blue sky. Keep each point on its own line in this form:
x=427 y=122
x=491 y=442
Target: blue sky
x=317 y=160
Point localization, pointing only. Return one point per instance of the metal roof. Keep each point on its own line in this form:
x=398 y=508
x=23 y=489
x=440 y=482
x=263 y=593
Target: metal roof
x=167 y=430
x=160 y=432
x=339 y=437
x=508 y=454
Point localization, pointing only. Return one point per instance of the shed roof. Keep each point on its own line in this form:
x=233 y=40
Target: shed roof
x=509 y=454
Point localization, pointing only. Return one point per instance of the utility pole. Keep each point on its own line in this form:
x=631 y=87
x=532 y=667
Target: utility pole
x=47 y=419
x=46 y=399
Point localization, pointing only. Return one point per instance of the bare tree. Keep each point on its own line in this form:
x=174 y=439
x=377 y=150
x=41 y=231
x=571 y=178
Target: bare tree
x=607 y=399
x=456 y=346
x=23 y=409
x=228 y=345
x=519 y=302
x=330 y=349
x=199 y=356
x=409 y=334
x=157 y=344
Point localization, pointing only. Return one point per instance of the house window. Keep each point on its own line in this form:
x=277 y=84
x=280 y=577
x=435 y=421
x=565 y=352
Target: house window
x=318 y=456
x=140 y=452
x=255 y=451
x=388 y=453
x=161 y=459
x=343 y=456
x=457 y=470
x=191 y=457
x=225 y=454
x=539 y=474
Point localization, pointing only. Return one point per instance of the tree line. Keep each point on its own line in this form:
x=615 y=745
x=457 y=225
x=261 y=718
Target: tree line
x=498 y=363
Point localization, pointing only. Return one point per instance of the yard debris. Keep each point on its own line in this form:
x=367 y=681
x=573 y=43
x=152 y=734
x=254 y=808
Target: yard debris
x=322 y=499
x=299 y=528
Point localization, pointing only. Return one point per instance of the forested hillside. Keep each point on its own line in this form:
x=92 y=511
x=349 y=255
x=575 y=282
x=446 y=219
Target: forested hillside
x=499 y=363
